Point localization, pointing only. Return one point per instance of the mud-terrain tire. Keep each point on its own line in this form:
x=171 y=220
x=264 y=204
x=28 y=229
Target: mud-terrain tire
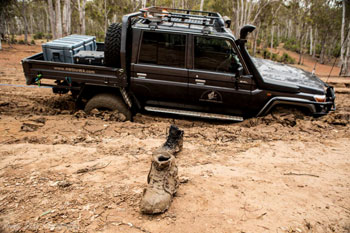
x=112 y=45
x=110 y=102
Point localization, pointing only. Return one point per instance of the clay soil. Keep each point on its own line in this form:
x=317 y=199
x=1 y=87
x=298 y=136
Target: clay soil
x=62 y=171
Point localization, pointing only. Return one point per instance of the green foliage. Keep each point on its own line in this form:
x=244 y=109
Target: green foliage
x=258 y=42
x=274 y=57
x=275 y=42
x=39 y=35
x=318 y=48
x=336 y=51
x=285 y=58
x=100 y=36
x=266 y=54
x=32 y=42
x=48 y=36
x=292 y=45
x=21 y=42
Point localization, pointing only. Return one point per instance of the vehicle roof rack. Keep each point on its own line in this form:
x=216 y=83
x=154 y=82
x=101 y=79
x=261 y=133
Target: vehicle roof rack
x=155 y=16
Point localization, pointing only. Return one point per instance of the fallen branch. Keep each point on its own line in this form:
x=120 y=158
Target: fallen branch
x=262 y=215
x=90 y=169
x=299 y=174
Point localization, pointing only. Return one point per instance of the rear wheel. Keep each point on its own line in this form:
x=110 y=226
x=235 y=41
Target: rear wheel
x=107 y=101
x=112 y=45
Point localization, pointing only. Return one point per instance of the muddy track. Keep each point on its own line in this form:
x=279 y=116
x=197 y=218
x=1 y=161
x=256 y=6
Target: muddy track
x=279 y=173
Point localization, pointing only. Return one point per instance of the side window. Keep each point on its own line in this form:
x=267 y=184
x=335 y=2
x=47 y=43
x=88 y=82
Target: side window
x=215 y=54
x=163 y=49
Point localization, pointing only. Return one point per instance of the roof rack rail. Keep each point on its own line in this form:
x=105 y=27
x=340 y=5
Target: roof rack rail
x=207 y=19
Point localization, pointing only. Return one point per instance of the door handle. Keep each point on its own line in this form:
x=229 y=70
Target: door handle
x=200 y=81
x=141 y=75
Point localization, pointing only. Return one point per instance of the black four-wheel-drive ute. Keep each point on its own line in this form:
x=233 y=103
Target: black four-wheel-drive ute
x=174 y=61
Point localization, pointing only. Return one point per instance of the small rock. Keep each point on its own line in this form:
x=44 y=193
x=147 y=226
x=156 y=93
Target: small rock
x=27 y=127
x=184 y=180
x=94 y=111
x=41 y=120
x=80 y=114
x=64 y=184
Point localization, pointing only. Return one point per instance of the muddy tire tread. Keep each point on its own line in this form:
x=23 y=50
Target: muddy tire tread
x=108 y=101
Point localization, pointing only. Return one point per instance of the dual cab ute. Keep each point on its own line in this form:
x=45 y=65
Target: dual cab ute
x=181 y=62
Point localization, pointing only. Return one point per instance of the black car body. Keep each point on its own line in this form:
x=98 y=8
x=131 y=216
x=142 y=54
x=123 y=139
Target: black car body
x=189 y=63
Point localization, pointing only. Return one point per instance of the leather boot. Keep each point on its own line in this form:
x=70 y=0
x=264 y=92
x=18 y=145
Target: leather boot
x=174 y=140
x=162 y=183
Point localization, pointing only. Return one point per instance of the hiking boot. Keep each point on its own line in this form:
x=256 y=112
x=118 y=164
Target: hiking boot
x=162 y=184
x=174 y=141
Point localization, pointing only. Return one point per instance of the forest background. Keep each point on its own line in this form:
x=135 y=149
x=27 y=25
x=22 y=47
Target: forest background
x=319 y=28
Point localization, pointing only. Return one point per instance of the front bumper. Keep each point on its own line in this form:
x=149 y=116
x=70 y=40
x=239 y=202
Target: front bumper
x=324 y=108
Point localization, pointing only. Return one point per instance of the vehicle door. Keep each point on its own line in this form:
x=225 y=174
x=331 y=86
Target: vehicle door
x=219 y=80
x=160 y=73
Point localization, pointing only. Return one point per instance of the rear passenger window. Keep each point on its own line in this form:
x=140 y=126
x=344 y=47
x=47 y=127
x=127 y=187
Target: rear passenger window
x=163 y=49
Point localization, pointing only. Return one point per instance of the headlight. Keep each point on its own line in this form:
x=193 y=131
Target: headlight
x=320 y=98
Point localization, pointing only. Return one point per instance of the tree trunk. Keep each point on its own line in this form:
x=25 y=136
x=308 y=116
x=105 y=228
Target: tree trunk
x=25 y=23
x=346 y=65
x=64 y=18
x=80 y=16
x=31 y=22
x=81 y=9
x=105 y=15
x=144 y=2
x=256 y=38
x=241 y=14
x=271 y=42
x=311 y=41
x=342 y=48
x=345 y=45
x=58 y=19
x=301 y=37
x=322 y=51
x=315 y=42
x=202 y=4
x=69 y=18
x=237 y=18
x=52 y=19
x=47 y=18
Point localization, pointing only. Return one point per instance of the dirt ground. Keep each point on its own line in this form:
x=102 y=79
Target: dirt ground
x=279 y=173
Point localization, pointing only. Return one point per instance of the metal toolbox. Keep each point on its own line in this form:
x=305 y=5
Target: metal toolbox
x=89 y=41
x=64 y=49
x=89 y=58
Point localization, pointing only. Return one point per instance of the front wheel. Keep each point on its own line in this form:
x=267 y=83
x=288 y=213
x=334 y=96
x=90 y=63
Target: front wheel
x=107 y=101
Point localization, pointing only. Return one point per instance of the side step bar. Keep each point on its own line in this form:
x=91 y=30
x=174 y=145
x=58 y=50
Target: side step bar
x=194 y=114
